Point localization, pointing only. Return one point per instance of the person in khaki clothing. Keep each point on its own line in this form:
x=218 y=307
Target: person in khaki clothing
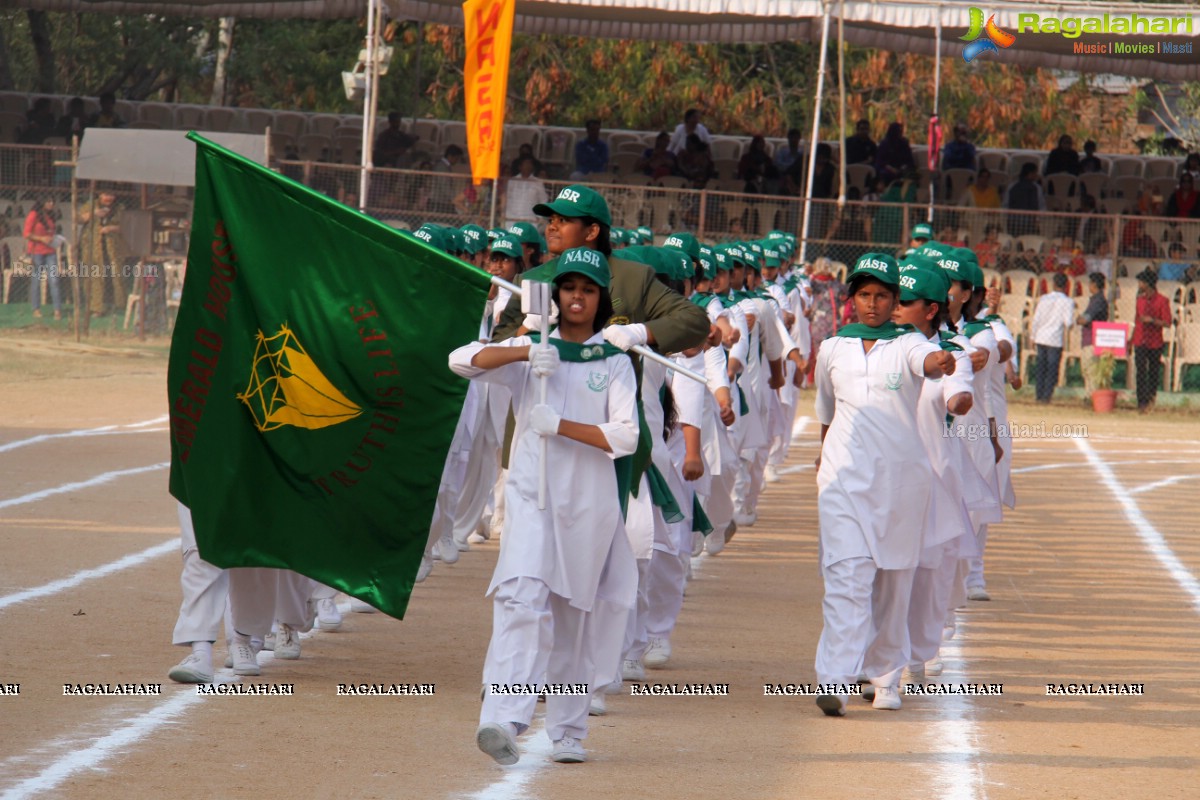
x=644 y=310
x=103 y=254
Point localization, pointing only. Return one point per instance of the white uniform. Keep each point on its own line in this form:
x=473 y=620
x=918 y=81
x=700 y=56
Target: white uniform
x=555 y=564
x=873 y=492
x=205 y=590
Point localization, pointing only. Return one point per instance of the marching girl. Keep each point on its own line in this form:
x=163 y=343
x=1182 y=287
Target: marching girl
x=556 y=564
x=873 y=487
x=924 y=289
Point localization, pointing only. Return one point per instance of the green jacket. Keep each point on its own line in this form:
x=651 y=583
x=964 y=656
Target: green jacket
x=638 y=297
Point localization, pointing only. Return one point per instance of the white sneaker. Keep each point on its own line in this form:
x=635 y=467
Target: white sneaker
x=287 y=643
x=569 y=750
x=934 y=666
x=616 y=687
x=715 y=541
x=444 y=549
x=746 y=518
x=328 y=616
x=949 y=629
x=244 y=659
x=256 y=644
x=913 y=673
x=977 y=593
x=833 y=705
x=476 y=538
x=425 y=568
x=597 y=706
x=268 y=642
x=697 y=543
x=193 y=669
x=499 y=740
x=632 y=670
x=730 y=531
x=658 y=653
x=770 y=474
x=887 y=698
x=359 y=607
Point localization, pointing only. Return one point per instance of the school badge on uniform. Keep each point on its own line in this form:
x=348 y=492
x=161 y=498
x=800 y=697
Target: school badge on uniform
x=894 y=380
x=597 y=381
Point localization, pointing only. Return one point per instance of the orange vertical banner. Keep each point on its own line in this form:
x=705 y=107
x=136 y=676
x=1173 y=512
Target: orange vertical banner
x=489 y=25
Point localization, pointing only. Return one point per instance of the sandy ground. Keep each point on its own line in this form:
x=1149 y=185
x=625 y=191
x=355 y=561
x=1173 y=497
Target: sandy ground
x=1090 y=579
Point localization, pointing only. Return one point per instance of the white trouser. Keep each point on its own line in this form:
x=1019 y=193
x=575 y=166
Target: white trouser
x=205 y=590
x=865 y=623
x=259 y=596
x=975 y=565
x=634 y=642
x=719 y=503
x=929 y=605
x=537 y=636
x=749 y=482
x=958 y=589
x=482 y=467
x=667 y=580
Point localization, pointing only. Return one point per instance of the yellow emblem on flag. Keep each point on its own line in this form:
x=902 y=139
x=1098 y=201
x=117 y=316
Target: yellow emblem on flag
x=287 y=388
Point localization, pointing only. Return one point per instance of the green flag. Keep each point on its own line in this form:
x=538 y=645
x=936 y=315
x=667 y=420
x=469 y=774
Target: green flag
x=312 y=407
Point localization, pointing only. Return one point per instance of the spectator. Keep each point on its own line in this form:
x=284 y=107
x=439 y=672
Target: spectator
x=1092 y=227
x=1096 y=311
x=658 y=161
x=1101 y=263
x=894 y=158
x=691 y=126
x=41 y=239
x=786 y=156
x=887 y=222
x=39 y=123
x=1066 y=257
x=591 y=154
x=1089 y=163
x=876 y=186
x=445 y=192
x=1176 y=267
x=828 y=295
x=1153 y=314
x=392 y=144
x=959 y=153
x=860 y=148
x=988 y=251
x=981 y=193
x=106 y=117
x=1149 y=202
x=1055 y=313
x=74 y=121
x=1063 y=158
x=1182 y=202
x=104 y=254
x=523 y=152
x=756 y=167
x=695 y=163
x=524 y=191
x=1135 y=242
x=1191 y=166
x=1024 y=195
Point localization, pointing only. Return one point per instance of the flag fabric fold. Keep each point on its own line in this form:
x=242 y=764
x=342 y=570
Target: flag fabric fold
x=311 y=403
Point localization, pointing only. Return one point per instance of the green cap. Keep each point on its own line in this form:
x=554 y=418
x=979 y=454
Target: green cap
x=496 y=233
x=508 y=245
x=772 y=257
x=577 y=201
x=966 y=254
x=922 y=230
x=685 y=242
x=721 y=258
x=431 y=235
x=924 y=281
x=645 y=234
x=879 y=266
x=455 y=241
x=752 y=256
x=708 y=262
x=640 y=254
x=678 y=264
x=474 y=238
x=934 y=250
x=584 y=261
x=777 y=234
x=526 y=233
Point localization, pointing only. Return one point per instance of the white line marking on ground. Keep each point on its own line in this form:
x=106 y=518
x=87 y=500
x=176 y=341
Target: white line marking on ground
x=54 y=587
x=1041 y=467
x=102 y=478
x=794 y=468
x=89 y=758
x=954 y=736
x=535 y=750
x=135 y=427
x=1149 y=487
x=799 y=426
x=1151 y=538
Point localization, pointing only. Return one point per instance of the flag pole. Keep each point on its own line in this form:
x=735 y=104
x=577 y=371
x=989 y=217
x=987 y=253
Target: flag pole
x=641 y=349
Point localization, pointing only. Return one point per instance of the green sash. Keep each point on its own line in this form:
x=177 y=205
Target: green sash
x=975 y=326
x=888 y=330
x=947 y=342
x=701 y=299
x=700 y=521
x=578 y=353
x=661 y=496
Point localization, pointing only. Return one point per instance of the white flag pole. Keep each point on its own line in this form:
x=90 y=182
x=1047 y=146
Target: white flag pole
x=641 y=350
x=537 y=301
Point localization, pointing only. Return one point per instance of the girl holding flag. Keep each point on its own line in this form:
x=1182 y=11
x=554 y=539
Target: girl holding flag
x=873 y=486
x=556 y=564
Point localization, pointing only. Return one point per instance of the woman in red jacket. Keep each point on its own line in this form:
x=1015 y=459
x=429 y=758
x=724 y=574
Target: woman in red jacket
x=39 y=244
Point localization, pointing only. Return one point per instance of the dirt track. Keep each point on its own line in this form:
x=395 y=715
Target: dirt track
x=1078 y=597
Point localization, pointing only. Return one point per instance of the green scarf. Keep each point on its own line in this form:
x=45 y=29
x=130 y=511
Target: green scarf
x=888 y=330
x=578 y=353
x=700 y=520
x=701 y=299
x=975 y=326
x=661 y=496
x=947 y=342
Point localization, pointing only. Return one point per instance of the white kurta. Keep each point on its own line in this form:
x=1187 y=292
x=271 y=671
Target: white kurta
x=999 y=395
x=874 y=482
x=569 y=545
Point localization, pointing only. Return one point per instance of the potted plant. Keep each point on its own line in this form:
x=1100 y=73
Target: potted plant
x=1100 y=375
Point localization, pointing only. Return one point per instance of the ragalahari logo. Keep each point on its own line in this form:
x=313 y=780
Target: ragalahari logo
x=994 y=37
